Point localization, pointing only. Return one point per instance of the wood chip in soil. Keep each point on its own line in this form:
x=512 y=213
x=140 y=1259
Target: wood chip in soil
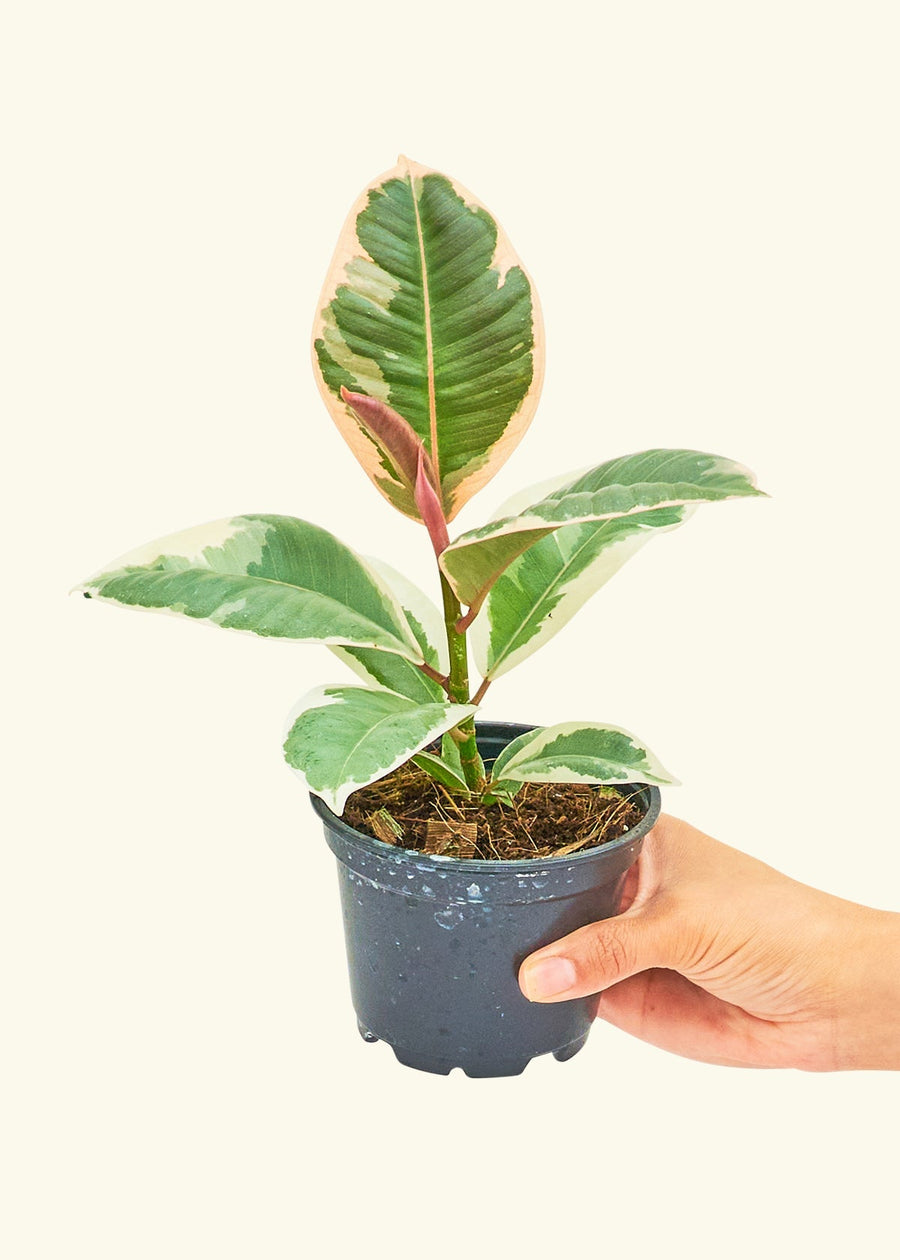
x=544 y=820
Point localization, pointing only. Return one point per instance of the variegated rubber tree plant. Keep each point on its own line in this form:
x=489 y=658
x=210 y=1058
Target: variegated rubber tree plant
x=428 y=351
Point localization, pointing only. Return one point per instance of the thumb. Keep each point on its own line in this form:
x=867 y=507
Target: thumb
x=597 y=956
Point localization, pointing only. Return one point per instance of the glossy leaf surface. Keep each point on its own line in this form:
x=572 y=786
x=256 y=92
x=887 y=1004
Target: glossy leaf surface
x=577 y=752
x=630 y=486
x=542 y=589
x=387 y=669
x=343 y=738
x=426 y=308
x=275 y=576
x=443 y=771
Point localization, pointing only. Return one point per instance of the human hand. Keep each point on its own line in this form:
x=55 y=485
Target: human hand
x=718 y=957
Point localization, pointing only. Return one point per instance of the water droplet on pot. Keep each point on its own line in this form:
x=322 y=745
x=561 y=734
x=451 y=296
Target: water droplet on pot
x=448 y=918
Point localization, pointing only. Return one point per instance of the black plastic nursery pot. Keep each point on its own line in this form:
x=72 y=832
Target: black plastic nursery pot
x=434 y=944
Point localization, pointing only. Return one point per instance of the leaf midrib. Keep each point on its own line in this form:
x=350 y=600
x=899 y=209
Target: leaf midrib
x=524 y=523
x=429 y=340
x=542 y=528
x=388 y=717
x=544 y=593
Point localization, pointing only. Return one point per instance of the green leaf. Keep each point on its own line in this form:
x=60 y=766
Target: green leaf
x=544 y=588
x=502 y=794
x=629 y=486
x=274 y=576
x=576 y=752
x=450 y=752
x=386 y=669
x=446 y=768
x=441 y=770
x=343 y=738
x=426 y=308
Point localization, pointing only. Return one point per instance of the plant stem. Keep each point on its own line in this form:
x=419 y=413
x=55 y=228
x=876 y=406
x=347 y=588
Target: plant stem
x=436 y=676
x=458 y=691
x=480 y=693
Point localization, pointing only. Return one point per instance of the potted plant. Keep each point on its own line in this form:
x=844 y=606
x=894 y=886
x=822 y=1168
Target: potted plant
x=464 y=846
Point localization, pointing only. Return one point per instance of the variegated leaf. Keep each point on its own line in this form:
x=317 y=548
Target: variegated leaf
x=386 y=669
x=426 y=308
x=576 y=752
x=441 y=770
x=275 y=576
x=342 y=738
x=629 y=486
x=543 y=589
x=446 y=768
x=450 y=752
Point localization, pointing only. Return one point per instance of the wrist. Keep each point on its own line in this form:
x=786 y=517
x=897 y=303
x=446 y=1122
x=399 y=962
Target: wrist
x=868 y=1006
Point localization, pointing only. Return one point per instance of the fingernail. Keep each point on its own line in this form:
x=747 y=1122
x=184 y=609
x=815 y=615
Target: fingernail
x=547 y=977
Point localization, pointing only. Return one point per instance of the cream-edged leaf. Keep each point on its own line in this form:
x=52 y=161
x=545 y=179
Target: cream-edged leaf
x=632 y=485
x=275 y=576
x=343 y=738
x=395 y=673
x=441 y=770
x=386 y=669
x=523 y=499
x=418 y=607
x=427 y=309
x=543 y=589
x=576 y=752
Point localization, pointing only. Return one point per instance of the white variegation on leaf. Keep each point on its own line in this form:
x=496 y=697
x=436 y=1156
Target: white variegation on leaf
x=576 y=752
x=274 y=576
x=441 y=770
x=654 y=480
x=519 y=502
x=428 y=350
x=427 y=309
x=343 y=738
x=447 y=767
x=543 y=589
x=387 y=669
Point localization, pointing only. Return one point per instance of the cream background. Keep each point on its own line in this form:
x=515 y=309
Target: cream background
x=707 y=197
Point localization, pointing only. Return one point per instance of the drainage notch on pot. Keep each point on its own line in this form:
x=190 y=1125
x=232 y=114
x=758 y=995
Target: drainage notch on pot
x=434 y=944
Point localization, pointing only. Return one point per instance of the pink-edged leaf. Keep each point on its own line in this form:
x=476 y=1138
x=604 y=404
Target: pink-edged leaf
x=429 y=506
x=427 y=308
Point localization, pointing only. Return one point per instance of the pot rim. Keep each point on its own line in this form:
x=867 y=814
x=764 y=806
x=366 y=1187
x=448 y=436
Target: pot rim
x=380 y=849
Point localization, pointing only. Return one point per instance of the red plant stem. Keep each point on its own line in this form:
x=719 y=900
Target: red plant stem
x=479 y=694
x=443 y=680
x=463 y=623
